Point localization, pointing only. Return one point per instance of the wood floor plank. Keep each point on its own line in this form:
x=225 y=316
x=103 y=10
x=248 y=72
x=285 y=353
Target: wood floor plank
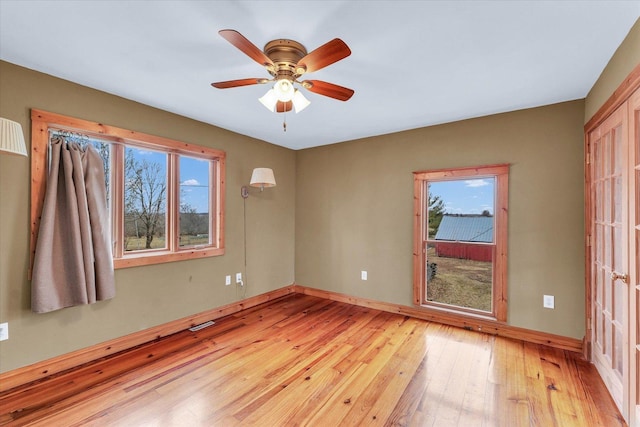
x=303 y=360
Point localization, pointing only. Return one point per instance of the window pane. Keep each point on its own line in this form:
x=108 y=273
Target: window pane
x=461 y=210
x=145 y=199
x=460 y=280
x=195 y=204
x=460 y=246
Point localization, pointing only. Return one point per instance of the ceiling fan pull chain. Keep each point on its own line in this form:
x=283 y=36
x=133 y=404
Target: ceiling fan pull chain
x=284 y=122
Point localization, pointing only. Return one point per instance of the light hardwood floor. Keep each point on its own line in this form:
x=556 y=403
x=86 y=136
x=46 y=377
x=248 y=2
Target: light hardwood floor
x=303 y=360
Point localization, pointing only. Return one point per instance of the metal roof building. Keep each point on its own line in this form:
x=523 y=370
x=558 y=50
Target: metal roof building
x=466 y=228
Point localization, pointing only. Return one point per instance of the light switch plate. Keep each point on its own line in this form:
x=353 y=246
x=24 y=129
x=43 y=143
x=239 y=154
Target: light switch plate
x=548 y=301
x=4 y=331
x=363 y=275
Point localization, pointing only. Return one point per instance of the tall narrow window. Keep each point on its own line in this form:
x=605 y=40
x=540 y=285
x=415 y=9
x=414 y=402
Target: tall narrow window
x=460 y=240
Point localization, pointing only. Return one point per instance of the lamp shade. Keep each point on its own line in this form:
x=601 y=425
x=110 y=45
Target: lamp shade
x=12 y=138
x=299 y=101
x=262 y=177
x=269 y=100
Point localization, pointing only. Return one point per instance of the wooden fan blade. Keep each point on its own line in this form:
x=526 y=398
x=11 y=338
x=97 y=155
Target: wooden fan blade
x=327 y=54
x=238 y=83
x=242 y=43
x=282 y=107
x=328 y=89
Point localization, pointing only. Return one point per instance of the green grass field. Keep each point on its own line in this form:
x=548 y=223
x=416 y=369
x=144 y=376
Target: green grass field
x=460 y=282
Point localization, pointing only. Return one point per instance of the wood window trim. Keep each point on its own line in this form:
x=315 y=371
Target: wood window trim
x=42 y=121
x=501 y=174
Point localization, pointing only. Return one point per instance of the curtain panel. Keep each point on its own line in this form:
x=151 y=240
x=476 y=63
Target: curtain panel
x=73 y=262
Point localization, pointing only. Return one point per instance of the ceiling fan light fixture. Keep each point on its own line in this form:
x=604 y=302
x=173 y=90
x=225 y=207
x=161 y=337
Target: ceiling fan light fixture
x=284 y=90
x=269 y=100
x=299 y=101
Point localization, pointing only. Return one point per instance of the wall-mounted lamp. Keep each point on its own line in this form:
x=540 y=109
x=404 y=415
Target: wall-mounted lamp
x=12 y=138
x=261 y=177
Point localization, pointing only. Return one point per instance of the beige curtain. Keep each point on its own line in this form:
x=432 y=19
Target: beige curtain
x=73 y=262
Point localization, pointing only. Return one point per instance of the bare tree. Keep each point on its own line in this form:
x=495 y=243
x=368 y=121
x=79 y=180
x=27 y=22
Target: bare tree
x=192 y=223
x=145 y=189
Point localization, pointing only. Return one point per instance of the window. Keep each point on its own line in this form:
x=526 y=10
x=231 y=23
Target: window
x=165 y=197
x=460 y=240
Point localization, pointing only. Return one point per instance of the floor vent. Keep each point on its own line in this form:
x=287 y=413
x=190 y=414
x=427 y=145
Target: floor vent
x=201 y=326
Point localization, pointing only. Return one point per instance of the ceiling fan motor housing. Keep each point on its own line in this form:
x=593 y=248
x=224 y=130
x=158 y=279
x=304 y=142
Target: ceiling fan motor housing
x=285 y=55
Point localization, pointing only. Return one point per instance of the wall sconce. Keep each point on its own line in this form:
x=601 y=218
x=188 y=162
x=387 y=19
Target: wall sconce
x=261 y=177
x=12 y=138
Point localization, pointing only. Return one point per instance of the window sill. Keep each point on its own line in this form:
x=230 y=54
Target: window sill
x=164 y=257
x=459 y=313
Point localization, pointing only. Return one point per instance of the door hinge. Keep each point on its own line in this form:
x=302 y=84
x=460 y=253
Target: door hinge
x=589 y=240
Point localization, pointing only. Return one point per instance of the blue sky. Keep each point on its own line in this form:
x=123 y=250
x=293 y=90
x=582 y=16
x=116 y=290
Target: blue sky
x=466 y=196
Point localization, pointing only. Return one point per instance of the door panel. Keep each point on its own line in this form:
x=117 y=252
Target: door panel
x=609 y=253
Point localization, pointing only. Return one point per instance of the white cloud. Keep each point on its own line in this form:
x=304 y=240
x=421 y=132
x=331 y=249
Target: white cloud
x=191 y=182
x=476 y=183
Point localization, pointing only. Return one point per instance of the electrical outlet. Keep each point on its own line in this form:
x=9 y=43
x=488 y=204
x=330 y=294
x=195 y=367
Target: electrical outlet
x=238 y=277
x=227 y=280
x=4 y=331
x=363 y=275
x=548 y=301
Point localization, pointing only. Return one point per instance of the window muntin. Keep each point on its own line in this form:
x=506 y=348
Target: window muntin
x=165 y=156
x=460 y=238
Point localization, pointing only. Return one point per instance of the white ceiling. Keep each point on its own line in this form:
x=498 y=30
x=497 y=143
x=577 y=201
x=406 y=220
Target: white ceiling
x=413 y=63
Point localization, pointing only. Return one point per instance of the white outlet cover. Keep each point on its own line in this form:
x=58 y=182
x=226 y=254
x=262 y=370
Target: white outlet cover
x=548 y=301
x=4 y=331
x=363 y=275
x=227 y=280
x=238 y=277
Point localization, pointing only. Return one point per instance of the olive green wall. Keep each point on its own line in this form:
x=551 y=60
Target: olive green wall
x=151 y=295
x=625 y=59
x=354 y=210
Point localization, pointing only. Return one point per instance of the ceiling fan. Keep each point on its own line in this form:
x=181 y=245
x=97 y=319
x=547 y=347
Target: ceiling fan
x=286 y=61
